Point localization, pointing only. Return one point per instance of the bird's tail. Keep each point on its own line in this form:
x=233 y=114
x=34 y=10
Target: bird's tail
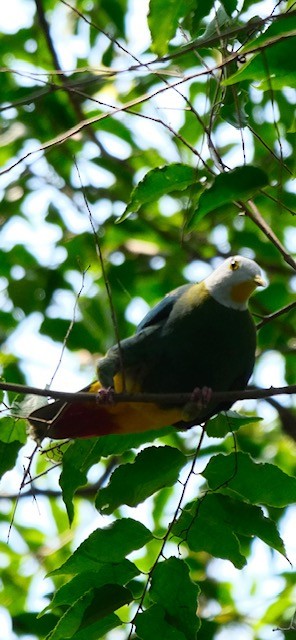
x=60 y=420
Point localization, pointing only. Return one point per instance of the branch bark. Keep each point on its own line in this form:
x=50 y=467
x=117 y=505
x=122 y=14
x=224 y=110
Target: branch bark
x=252 y=212
x=87 y=491
x=276 y=314
x=169 y=398
x=83 y=124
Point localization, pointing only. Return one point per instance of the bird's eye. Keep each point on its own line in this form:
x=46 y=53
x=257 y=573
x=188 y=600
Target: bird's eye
x=234 y=265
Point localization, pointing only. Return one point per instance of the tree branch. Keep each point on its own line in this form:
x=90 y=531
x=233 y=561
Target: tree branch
x=276 y=314
x=169 y=398
x=252 y=212
x=83 y=124
x=287 y=417
x=89 y=490
x=72 y=95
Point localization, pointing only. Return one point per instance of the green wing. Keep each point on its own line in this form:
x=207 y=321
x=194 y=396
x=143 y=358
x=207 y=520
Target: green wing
x=137 y=352
x=162 y=310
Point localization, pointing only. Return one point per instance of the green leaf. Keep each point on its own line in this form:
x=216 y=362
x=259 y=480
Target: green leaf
x=153 y=624
x=275 y=61
x=98 y=629
x=249 y=520
x=144 y=258
x=106 y=599
x=172 y=588
x=158 y=182
x=274 y=64
x=207 y=527
x=8 y=455
x=229 y=5
x=285 y=27
x=131 y=484
x=28 y=623
x=80 y=335
x=12 y=430
x=228 y=422
x=213 y=523
x=163 y=18
x=115 y=445
x=115 y=573
x=111 y=544
x=234 y=113
x=276 y=82
x=240 y=184
x=77 y=460
x=69 y=623
x=81 y=455
x=94 y=606
x=201 y=10
x=218 y=23
x=259 y=483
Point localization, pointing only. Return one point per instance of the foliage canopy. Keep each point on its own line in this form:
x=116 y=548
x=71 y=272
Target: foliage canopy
x=163 y=141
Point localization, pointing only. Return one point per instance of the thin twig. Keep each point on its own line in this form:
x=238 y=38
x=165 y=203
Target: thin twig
x=252 y=212
x=105 y=278
x=72 y=96
x=202 y=42
x=70 y=327
x=63 y=137
x=27 y=472
x=168 y=531
x=269 y=149
x=89 y=490
x=276 y=314
x=276 y=200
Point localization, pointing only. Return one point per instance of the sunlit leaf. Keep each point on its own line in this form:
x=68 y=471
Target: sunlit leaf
x=239 y=184
x=228 y=422
x=183 y=137
x=163 y=20
x=157 y=183
x=272 y=60
x=8 y=455
x=12 y=429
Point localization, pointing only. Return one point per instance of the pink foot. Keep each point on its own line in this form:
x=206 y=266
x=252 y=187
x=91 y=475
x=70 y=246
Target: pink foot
x=202 y=396
x=105 y=396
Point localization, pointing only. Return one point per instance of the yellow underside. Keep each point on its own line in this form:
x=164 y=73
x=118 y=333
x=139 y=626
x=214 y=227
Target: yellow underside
x=135 y=417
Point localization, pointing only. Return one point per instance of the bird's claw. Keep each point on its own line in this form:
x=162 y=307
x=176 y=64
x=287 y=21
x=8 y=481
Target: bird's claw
x=105 y=396
x=202 y=397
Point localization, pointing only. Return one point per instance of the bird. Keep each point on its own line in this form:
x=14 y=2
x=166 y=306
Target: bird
x=199 y=336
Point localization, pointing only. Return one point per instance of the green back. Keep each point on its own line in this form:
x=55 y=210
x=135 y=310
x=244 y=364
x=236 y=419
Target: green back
x=209 y=345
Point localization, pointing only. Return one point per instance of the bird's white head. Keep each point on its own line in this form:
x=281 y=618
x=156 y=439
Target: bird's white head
x=234 y=281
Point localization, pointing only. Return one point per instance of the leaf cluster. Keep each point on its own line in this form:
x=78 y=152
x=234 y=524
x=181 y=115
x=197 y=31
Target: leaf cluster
x=185 y=154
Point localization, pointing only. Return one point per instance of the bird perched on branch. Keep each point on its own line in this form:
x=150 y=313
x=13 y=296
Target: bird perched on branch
x=200 y=336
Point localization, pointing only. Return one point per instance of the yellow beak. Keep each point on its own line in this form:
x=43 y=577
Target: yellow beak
x=260 y=282
x=242 y=291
